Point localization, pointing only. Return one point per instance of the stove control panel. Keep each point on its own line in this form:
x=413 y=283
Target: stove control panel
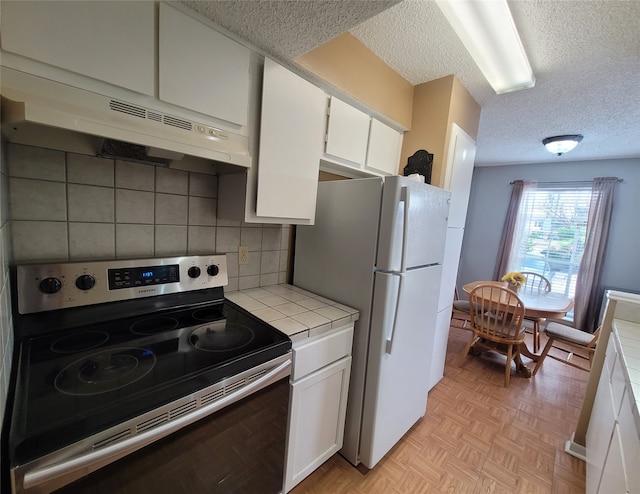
x=43 y=287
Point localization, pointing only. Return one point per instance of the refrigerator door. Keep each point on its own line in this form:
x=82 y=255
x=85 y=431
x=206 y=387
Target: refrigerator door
x=399 y=361
x=335 y=259
x=413 y=224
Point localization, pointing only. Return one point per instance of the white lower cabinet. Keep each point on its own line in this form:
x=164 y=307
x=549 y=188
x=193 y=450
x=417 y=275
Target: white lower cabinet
x=318 y=402
x=613 y=441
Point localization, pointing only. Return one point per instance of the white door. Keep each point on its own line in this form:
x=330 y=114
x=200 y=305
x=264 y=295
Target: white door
x=462 y=154
x=413 y=224
x=402 y=332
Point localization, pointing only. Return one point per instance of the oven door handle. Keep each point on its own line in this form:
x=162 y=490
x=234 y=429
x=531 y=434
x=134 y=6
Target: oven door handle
x=118 y=450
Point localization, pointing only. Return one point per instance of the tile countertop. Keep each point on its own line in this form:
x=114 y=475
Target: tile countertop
x=294 y=311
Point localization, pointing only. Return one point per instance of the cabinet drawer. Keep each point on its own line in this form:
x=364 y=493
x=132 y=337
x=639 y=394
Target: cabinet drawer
x=312 y=355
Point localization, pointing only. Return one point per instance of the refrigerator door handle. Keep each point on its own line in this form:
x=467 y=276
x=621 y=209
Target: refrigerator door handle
x=390 y=337
x=404 y=197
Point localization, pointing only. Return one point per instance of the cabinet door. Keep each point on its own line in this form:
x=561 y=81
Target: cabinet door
x=109 y=41
x=316 y=420
x=461 y=156
x=347 y=132
x=293 y=113
x=599 y=432
x=201 y=69
x=385 y=143
x=630 y=440
x=613 y=476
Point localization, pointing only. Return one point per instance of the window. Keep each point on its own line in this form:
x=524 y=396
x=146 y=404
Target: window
x=550 y=233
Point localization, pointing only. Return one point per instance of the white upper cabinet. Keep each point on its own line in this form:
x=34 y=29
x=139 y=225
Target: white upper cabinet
x=458 y=175
x=347 y=132
x=385 y=144
x=358 y=145
x=282 y=185
x=291 y=127
x=109 y=41
x=201 y=69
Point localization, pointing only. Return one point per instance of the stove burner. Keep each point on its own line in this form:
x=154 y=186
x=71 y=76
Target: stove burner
x=209 y=314
x=221 y=336
x=105 y=371
x=78 y=342
x=153 y=325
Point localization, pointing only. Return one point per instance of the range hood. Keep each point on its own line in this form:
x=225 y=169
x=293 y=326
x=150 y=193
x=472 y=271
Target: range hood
x=41 y=112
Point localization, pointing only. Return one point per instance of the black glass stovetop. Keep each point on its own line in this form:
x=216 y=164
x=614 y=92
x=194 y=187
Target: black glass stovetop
x=77 y=382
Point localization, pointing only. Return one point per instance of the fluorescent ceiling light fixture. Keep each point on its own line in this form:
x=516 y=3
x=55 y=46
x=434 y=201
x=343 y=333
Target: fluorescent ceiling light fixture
x=561 y=144
x=487 y=30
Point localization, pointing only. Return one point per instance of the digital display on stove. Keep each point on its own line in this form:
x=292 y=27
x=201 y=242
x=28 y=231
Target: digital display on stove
x=143 y=276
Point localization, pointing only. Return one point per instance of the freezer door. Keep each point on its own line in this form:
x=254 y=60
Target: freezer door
x=413 y=224
x=402 y=331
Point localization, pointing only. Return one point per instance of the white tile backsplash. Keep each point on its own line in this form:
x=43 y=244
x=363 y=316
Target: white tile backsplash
x=90 y=170
x=271 y=238
x=171 y=209
x=135 y=176
x=134 y=240
x=172 y=181
x=37 y=200
x=69 y=207
x=203 y=185
x=91 y=241
x=133 y=206
x=251 y=237
x=38 y=163
x=202 y=211
x=201 y=240
x=102 y=202
x=40 y=240
x=170 y=240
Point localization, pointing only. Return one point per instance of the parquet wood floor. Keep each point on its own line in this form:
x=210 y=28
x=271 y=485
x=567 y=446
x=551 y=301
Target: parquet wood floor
x=477 y=437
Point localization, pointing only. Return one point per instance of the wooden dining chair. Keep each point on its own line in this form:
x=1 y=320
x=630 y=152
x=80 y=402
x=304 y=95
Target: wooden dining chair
x=535 y=283
x=497 y=314
x=460 y=312
x=573 y=338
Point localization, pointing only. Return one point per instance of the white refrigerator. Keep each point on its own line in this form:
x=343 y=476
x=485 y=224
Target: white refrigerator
x=377 y=245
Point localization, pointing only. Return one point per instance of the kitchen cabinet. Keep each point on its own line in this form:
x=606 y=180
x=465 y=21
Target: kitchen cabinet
x=201 y=69
x=283 y=186
x=358 y=145
x=383 y=152
x=318 y=401
x=347 y=132
x=108 y=41
x=613 y=434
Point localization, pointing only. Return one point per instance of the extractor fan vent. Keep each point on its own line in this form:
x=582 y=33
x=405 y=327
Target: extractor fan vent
x=141 y=112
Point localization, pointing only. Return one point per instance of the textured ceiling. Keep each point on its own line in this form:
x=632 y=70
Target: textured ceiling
x=585 y=56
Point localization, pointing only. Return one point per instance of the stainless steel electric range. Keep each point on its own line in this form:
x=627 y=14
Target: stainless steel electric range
x=116 y=356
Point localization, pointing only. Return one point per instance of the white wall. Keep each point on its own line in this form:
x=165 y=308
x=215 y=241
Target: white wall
x=490 y=194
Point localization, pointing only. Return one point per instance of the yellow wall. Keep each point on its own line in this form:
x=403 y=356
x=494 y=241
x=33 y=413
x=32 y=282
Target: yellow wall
x=353 y=68
x=427 y=110
x=436 y=105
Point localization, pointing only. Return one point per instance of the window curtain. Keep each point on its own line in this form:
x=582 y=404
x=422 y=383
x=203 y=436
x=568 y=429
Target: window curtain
x=509 y=229
x=588 y=290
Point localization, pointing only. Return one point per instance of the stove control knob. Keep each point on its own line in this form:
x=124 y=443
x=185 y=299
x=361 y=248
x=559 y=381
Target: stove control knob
x=85 y=282
x=50 y=285
x=193 y=272
x=213 y=270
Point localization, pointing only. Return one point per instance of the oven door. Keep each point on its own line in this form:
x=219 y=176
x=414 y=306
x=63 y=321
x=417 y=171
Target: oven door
x=235 y=443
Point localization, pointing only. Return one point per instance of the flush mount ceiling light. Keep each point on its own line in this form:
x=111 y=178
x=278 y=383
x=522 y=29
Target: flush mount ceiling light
x=487 y=30
x=561 y=144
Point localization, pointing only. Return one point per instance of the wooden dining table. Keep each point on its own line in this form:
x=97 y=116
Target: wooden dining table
x=542 y=305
